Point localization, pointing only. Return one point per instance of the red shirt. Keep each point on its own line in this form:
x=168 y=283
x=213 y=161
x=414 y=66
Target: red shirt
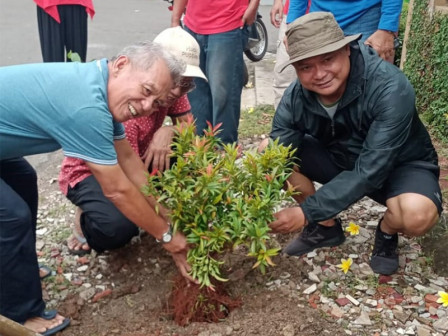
x=139 y=133
x=50 y=6
x=215 y=16
x=285 y=7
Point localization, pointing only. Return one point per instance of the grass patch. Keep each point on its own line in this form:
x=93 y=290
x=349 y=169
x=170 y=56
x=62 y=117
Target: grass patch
x=256 y=121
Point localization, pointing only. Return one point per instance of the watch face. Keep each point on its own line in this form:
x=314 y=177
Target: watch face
x=167 y=237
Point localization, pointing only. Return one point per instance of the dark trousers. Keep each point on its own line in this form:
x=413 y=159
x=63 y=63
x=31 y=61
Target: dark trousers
x=20 y=287
x=57 y=39
x=419 y=177
x=103 y=225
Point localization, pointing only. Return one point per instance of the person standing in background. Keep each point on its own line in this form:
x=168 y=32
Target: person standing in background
x=282 y=79
x=220 y=29
x=63 y=28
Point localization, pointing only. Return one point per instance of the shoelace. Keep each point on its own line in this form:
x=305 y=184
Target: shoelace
x=309 y=230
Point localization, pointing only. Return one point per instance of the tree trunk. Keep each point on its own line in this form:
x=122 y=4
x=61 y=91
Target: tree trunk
x=406 y=33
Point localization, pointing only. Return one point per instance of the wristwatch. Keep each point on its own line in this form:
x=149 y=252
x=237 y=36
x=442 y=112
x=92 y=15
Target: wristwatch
x=167 y=236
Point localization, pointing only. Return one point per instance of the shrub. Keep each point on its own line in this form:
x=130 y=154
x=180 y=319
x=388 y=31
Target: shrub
x=220 y=202
x=426 y=66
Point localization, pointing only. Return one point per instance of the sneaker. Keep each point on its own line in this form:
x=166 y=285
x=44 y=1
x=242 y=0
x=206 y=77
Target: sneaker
x=314 y=236
x=384 y=259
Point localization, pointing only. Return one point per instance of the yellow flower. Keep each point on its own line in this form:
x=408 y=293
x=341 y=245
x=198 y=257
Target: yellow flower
x=345 y=264
x=352 y=228
x=250 y=110
x=443 y=298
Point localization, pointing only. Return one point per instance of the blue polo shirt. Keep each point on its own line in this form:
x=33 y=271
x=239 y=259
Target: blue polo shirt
x=347 y=12
x=47 y=106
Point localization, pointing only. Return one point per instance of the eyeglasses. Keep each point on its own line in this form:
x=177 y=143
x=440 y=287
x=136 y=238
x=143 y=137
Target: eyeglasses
x=187 y=85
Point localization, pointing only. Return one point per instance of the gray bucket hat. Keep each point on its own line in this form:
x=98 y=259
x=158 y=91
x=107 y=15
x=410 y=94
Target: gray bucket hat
x=314 y=34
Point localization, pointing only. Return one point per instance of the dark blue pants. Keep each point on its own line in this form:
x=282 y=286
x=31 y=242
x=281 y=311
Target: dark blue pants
x=103 y=225
x=20 y=287
x=57 y=39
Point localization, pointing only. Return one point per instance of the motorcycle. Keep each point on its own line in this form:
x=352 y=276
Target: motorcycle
x=258 y=40
x=257 y=44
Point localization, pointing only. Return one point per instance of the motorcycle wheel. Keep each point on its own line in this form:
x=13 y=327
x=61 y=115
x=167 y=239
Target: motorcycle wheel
x=257 y=52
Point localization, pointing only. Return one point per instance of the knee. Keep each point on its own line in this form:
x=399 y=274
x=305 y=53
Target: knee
x=16 y=221
x=418 y=223
x=114 y=234
x=32 y=177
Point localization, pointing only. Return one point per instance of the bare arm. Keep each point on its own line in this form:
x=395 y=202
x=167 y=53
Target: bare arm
x=277 y=13
x=178 y=10
x=120 y=184
x=121 y=189
x=250 y=14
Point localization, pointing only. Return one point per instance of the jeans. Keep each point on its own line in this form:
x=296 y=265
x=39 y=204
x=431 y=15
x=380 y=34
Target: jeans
x=219 y=99
x=20 y=287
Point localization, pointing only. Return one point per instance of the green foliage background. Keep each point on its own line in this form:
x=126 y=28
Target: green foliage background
x=427 y=65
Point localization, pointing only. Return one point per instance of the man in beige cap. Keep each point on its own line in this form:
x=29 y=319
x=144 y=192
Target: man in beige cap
x=352 y=118
x=98 y=223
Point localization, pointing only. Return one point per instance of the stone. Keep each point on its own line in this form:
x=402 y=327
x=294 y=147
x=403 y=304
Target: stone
x=342 y=301
x=310 y=289
x=401 y=316
x=363 y=319
x=288 y=330
x=313 y=277
x=352 y=300
x=423 y=330
x=372 y=303
x=337 y=312
x=441 y=324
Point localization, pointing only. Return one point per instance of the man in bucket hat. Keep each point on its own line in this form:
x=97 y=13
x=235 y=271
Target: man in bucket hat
x=353 y=120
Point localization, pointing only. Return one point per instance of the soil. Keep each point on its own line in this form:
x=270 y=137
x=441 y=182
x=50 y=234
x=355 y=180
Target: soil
x=130 y=288
x=138 y=304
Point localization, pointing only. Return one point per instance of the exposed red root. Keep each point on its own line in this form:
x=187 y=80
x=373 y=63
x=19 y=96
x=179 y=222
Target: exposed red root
x=191 y=303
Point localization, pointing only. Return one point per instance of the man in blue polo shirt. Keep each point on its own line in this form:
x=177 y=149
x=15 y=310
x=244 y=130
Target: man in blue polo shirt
x=78 y=107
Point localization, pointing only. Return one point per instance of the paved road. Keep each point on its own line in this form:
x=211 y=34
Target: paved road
x=116 y=24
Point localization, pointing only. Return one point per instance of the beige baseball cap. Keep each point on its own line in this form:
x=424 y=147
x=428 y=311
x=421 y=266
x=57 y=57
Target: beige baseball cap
x=184 y=47
x=314 y=34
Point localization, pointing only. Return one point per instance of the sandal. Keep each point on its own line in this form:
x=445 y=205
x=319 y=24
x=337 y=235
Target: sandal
x=47 y=270
x=49 y=315
x=80 y=240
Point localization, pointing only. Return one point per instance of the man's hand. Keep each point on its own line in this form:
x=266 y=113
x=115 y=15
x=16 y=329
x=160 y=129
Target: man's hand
x=180 y=259
x=250 y=14
x=178 y=248
x=277 y=13
x=159 y=150
x=383 y=42
x=288 y=220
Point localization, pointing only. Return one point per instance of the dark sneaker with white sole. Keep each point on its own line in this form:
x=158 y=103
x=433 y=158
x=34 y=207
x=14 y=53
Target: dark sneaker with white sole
x=314 y=236
x=384 y=259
